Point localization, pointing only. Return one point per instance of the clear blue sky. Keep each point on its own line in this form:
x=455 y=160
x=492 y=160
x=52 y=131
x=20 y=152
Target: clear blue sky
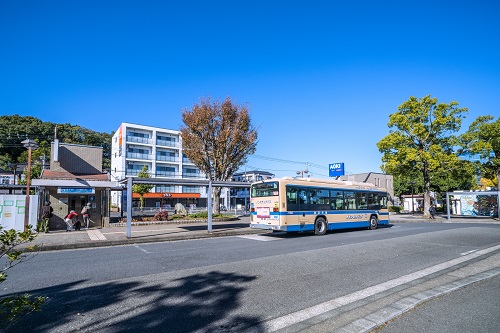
x=320 y=77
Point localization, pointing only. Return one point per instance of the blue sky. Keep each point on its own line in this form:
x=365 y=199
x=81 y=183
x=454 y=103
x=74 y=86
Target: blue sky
x=320 y=77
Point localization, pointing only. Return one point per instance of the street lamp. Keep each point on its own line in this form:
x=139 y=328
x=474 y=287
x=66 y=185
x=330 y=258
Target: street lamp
x=30 y=145
x=302 y=172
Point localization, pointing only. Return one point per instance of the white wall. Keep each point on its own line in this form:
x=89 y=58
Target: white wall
x=12 y=208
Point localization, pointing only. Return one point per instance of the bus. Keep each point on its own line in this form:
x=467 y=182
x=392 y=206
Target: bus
x=308 y=204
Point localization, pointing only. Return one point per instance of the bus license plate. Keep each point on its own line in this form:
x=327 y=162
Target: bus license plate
x=263 y=212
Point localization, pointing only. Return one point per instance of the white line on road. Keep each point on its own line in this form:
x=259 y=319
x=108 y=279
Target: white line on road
x=468 y=252
x=143 y=250
x=316 y=310
x=260 y=238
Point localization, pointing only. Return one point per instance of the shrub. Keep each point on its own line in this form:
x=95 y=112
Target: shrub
x=14 y=307
x=199 y=215
x=395 y=209
x=203 y=215
x=161 y=216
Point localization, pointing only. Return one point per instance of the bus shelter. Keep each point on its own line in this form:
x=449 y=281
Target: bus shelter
x=128 y=182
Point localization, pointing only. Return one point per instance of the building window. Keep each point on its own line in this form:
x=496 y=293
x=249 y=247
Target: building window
x=190 y=173
x=165 y=189
x=190 y=189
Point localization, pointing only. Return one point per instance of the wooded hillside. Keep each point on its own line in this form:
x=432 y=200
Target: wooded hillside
x=14 y=129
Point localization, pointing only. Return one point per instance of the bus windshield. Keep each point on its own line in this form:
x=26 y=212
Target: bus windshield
x=265 y=189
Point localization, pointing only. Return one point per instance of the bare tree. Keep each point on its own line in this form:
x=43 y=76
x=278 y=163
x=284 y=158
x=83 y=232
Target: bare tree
x=217 y=138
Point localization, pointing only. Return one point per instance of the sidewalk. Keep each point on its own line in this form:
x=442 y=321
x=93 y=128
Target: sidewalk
x=117 y=235
x=440 y=217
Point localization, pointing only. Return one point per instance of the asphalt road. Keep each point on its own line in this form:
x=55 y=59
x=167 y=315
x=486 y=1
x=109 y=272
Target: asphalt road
x=273 y=283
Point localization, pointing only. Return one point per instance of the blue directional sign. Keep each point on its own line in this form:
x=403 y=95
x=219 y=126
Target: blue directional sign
x=336 y=169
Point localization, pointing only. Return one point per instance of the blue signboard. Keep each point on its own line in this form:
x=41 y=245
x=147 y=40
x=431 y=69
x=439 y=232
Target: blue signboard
x=336 y=169
x=76 y=190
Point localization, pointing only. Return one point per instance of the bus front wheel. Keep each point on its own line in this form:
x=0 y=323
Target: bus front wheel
x=373 y=222
x=320 y=226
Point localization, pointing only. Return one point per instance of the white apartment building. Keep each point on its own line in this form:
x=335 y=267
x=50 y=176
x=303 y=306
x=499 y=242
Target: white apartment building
x=160 y=150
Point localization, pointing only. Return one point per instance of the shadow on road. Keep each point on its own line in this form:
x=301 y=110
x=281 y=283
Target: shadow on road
x=196 y=303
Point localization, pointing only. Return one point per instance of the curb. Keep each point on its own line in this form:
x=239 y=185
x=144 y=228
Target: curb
x=41 y=247
x=382 y=316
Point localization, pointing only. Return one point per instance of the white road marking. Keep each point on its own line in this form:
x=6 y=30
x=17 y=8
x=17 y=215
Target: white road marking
x=316 y=310
x=468 y=252
x=143 y=250
x=260 y=238
x=95 y=234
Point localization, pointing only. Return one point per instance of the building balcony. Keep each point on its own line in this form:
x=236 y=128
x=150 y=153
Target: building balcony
x=164 y=158
x=166 y=174
x=139 y=156
x=167 y=143
x=133 y=172
x=193 y=175
x=137 y=139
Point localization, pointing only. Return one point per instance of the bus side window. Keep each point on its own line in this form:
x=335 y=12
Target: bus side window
x=382 y=199
x=337 y=201
x=372 y=200
x=361 y=200
x=350 y=200
x=319 y=199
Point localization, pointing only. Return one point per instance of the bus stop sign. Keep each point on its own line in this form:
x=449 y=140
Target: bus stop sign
x=336 y=169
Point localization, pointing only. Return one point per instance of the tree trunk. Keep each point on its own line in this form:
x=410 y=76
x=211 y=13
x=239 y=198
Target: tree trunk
x=216 y=200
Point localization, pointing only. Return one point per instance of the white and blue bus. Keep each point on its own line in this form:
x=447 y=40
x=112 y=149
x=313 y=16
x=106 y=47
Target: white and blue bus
x=308 y=204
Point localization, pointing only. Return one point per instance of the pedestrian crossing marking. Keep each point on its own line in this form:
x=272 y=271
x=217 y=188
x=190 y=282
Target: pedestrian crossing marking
x=95 y=235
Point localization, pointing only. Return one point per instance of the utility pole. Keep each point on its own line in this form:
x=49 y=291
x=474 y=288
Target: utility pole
x=43 y=164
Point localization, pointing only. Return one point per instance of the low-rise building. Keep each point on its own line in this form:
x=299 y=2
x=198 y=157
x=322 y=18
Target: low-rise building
x=380 y=180
x=74 y=179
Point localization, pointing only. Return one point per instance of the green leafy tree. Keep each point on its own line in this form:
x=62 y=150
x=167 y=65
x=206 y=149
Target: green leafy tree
x=421 y=141
x=15 y=128
x=35 y=173
x=483 y=139
x=142 y=189
x=217 y=138
x=14 y=307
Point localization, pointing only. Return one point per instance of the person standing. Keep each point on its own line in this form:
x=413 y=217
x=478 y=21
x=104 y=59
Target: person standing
x=69 y=220
x=46 y=215
x=86 y=216
x=432 y=211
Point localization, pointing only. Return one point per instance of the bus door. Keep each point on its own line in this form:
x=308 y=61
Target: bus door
x=303 y=200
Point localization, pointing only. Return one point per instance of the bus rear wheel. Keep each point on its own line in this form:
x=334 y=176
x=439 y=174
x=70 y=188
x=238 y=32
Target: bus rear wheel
x=373 y=222
x=320 y=226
